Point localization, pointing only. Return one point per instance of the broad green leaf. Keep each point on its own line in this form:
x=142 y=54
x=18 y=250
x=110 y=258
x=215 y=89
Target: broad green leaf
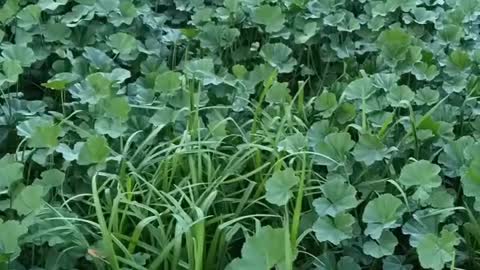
x=435 y=251
x=11 y=230
x=119 y=75
x=187 y=5
x=94 y=150
x=78 y=14
x=68 y=153
x=423 y=71
x=45 y=136
x=333 y=150
x=381 y=247
x=318 y=131
x=345 y=112
x=326 y=103
x=51 y=178
x=344 y=48
x=29 y=16
x=307 y=31
x=203 y=70
x=441 y=198
x=269 y=16
x=128 y=12
x=451 y=33
x=385 y=81
x=396 y=263
x=394 y=44
x=359 y=89
x=257 y=252
x=339 y=197
x=12 y=171
x=471 y=182
x=347 y=262
x=8 y=10
x=278 y=93
x=98 y=59
x=56 y=32
x=327 y=261
x=421 y=224
x=370 y=149
x=400 y=96
x=41 y=132
x=28 y=200
x=51 y=4
x=382 y=213
x=162 y=117
x=334 y=230
x=458 y=61
x=293 y=144
x=117 y=108
x=114 y=128
x=426 y=96
x=104 y=7
x=215 y=37
x=453 y=156
x=279 y=186
x=61 y=81
x=422 y=15
x=12 y=69
x=22 y=54
x=239 y=71
x=334 y=19
x=420 y=173
x=348 y=23
x=122 y=43
x=101 y=86
x=168 y=82
x=278 y=56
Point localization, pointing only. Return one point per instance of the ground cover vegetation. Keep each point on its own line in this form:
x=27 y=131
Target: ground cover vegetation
x=239 y=134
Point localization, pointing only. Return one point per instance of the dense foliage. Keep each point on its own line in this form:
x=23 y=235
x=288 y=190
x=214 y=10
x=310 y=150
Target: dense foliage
x=240 y=134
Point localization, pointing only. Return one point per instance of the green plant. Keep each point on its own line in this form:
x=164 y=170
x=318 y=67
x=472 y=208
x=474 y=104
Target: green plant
x=229 y=134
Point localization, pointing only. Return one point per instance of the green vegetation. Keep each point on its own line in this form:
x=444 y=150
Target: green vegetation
x=239 y=134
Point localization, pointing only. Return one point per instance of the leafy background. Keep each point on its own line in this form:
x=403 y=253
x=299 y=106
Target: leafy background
x=197 y=134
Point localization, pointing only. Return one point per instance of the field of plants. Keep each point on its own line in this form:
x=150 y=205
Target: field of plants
x=239 y=134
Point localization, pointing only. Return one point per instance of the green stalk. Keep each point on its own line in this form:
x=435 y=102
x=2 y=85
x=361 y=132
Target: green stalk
x=301 y=101
x=288 y=246
x=298 y=205
x=414 y=130
x=258 y=111
x=199 y=237
x=107 y=238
